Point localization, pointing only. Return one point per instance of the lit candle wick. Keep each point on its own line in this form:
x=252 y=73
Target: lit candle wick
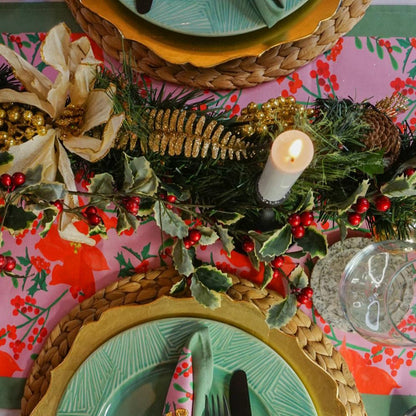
x=295 y=149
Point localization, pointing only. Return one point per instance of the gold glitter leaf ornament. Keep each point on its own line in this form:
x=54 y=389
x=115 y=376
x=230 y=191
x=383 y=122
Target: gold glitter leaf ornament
x=181 y=132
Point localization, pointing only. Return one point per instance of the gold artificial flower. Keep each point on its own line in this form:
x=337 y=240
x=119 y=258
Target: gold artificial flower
x=72 y=108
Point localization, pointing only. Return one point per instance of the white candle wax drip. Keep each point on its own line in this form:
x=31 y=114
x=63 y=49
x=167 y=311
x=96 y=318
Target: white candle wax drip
x=290 y=155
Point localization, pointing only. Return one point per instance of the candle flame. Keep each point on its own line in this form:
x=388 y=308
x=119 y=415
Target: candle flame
x=295 y=149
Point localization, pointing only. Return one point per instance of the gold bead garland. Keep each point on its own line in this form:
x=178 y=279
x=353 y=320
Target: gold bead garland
x=261 y=120
x=19 y=123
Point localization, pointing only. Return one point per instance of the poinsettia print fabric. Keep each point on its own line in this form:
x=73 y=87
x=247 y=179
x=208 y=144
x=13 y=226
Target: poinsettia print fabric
x=57 y=274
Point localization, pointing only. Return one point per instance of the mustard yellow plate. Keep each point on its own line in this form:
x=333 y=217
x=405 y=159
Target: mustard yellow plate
x=206 y=52
x=124 y=321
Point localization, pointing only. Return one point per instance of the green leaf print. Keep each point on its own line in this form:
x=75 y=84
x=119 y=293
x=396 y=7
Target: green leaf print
x=370 y=46
x=358 y=43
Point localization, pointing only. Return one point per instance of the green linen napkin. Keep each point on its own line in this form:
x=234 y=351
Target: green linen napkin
x=274 y=10
x=203 y=367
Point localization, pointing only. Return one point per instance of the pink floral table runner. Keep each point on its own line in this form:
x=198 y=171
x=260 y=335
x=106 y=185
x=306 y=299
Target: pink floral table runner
x=58 y=273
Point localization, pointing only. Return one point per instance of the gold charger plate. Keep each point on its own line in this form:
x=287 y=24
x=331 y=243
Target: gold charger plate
x=321 y=387
x=203 y=52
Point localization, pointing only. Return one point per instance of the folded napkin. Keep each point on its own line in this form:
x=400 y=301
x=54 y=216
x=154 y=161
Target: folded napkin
x=274 y=10
x=192 y=378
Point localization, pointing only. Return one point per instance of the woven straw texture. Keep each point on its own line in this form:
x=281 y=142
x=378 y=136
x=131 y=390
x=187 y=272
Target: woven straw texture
x=237 y=73
x=144 y=288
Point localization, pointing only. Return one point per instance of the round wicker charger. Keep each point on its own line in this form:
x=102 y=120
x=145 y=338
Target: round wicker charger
x=237 y=73
x=144 y=288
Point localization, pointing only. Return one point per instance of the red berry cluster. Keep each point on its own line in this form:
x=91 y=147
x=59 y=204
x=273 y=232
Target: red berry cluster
x=171 y=199
x=304 y=295
x=192 y=238
x=91 y=214
x=7 y=263
x=409 y=172
x=276 y=264
x=382 y=204
x=360 y=207
x=10 y=182
x=248 y=245
x=132 y=204
x=299 y=222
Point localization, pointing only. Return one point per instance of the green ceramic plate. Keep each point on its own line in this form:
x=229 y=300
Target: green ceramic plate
x=129 y=375
x=208 y=17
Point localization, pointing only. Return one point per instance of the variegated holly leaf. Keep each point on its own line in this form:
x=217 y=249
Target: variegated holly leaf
x=145 y=207
x=5 y=158
x=48 y=218
x=228 y=218
x=205 y=296
x=342 y=228
x=169 y=222
x=139 y=177
x=352 y=199
x=46 y=191
x=16 y=219
x=126 y=221
x=34 y=175
x=182 y=259
x=307 y=203
x=277 y=244
x=314 y=242
x=268 y=276
x=401 y=186
x=178 y=287
x=254 y=259
x=213 y=278
x=208 y=235
x=98 y=229
x=226 y=239
x=282 y=312
x=298 y=277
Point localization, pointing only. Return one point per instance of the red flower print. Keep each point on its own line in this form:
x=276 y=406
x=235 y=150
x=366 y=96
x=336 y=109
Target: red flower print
x=369 y=379
x=335 y=51
x=79 y=261
x=8 y=365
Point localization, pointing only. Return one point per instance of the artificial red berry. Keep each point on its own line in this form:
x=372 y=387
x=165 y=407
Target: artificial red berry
x=90 y=210
x=18 y=178
x=298 y=231
x=276 y=274
x=383 y=203
x=135 y=198
x=59 y=205
x=6 y=180
x=409 y=171
x=10 y=264
x=302 y=298
x=132 y=206
x=308 y=291
x=354 y=218
x=93 y=219
x=306 y=218
x=294 y=220
x=248 y=246
x=277 y=262
x=2 y=261
x=362 y=205
x=187 y=243
x=194 y=235
x=171 y=198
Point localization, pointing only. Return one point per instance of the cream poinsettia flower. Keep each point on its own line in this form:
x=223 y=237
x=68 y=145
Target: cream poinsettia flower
x=73 y=107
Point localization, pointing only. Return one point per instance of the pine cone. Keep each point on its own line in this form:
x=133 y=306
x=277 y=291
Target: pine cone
x=383 y=134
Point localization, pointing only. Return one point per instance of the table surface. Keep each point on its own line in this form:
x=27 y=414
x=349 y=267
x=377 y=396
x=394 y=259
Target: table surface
x=377 y=58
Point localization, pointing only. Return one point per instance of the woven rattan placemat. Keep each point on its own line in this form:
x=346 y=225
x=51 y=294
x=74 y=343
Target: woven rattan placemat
x=144 y=288
x=244 y=72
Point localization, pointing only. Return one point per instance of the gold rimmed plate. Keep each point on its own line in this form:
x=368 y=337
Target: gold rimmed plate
x=207 y=52
x=122 y=327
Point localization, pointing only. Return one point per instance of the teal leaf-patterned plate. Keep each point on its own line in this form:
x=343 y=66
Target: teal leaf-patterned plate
x=130 y=373
x=210 y=17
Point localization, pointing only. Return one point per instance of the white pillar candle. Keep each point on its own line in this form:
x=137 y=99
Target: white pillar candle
x=291 y=153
